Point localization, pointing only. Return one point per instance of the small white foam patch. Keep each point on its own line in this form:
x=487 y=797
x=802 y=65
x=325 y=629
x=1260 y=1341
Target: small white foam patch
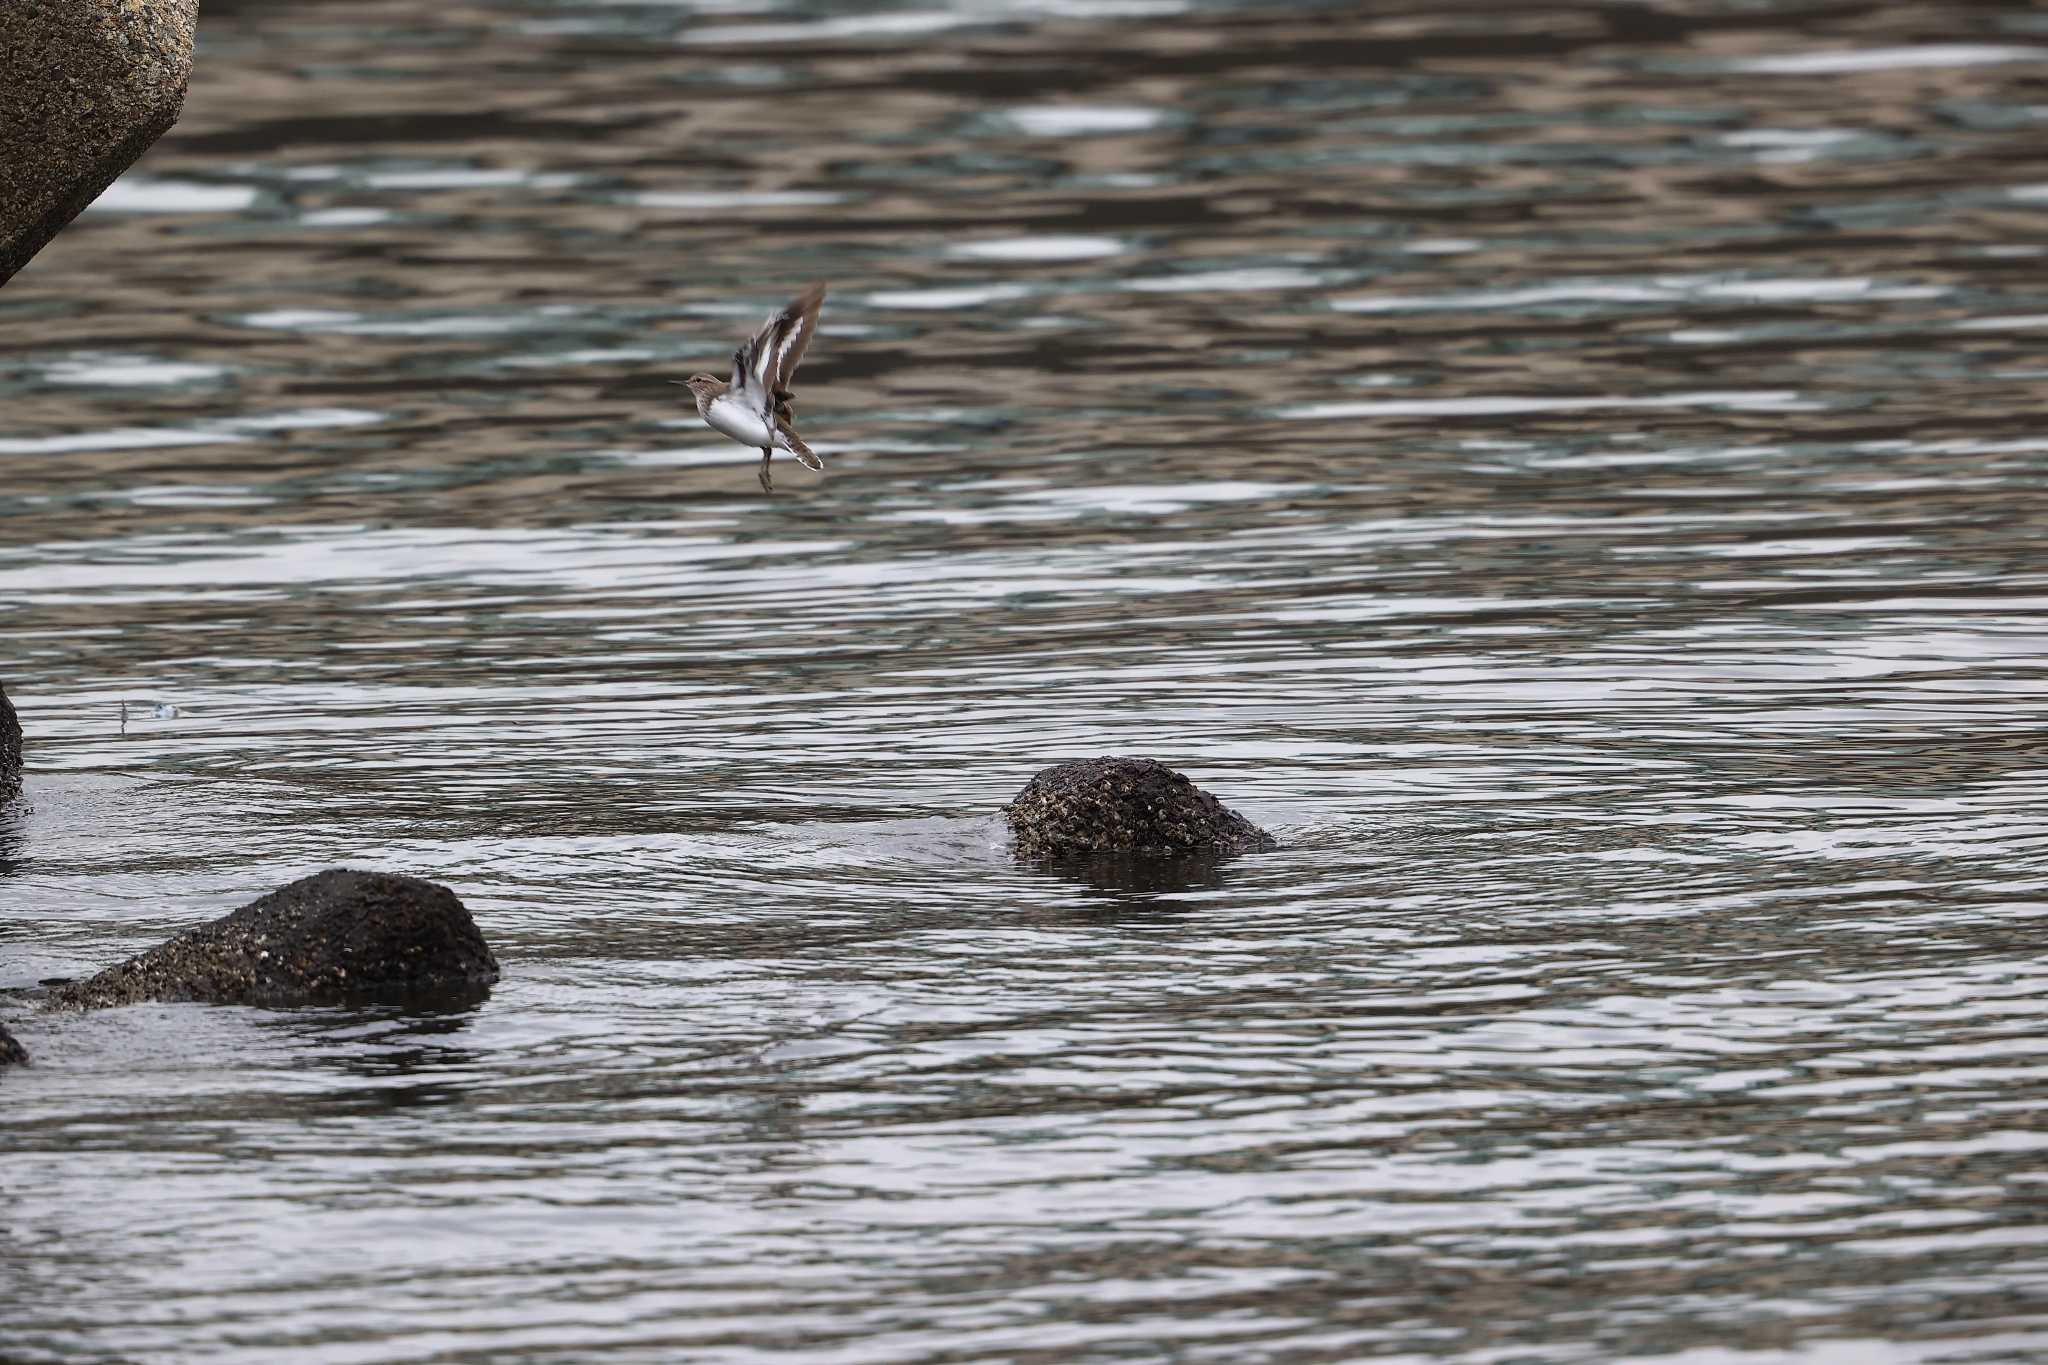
x=904 y=23
x=1888 y=59
x=735 y=199
x=590 y=356
x=128 y=371
x=297 y=319
x=344 y=217
x=1049 y=247
x=139 y=194
x=2013 y=323
x=1755 y=400
x=1096 y=9
x=304 y=419
x=945 y=298
x=1787 y=137
x=114 y=438
x=195 y=495
x=681 y=457
x=465 y=178
x=355 y=324
x=1821 y=290
x=1248 y=280
x=232 y=431
x=1507 y=298
x=1665 y=289
x=1083 y=120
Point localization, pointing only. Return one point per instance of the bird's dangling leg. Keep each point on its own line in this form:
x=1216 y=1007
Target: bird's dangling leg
x=767 y=484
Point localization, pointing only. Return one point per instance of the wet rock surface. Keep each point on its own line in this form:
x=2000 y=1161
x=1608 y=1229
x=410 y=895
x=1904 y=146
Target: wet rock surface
x=334 y=936
x=12 y=1053
x=10 y=750
x=89 y=85
x=1125 y=805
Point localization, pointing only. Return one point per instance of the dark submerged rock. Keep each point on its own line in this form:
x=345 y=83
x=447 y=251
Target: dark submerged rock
x=10 y=751
x=333 y=936
x=89 y=85
x=1125 y=805
x=12 y=1053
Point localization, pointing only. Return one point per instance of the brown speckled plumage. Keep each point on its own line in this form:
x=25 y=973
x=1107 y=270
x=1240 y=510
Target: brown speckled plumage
x=755 y=406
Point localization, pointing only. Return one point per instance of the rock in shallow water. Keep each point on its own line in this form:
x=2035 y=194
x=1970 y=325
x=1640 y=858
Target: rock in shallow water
x=12 y=1053
x=10 y=751
x=1125 y=805
x=89 y=85
x=329 y=937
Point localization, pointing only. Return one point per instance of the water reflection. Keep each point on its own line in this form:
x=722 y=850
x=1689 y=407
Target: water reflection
x=1572 y=470
x=1129 y=881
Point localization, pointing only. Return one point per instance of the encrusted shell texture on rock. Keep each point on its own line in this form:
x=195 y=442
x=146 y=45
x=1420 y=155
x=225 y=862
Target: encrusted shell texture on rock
x=1125 y=805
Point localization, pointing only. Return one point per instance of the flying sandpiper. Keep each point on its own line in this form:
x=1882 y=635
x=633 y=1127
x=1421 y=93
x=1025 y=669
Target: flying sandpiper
x=754 y=407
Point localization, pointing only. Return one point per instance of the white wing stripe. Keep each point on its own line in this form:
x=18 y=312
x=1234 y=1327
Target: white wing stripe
x=769 y=358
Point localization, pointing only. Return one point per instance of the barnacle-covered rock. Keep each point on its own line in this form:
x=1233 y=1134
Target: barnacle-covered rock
x=10 y=751
x=1125 y=805
x=89 y=85
x=330 y=937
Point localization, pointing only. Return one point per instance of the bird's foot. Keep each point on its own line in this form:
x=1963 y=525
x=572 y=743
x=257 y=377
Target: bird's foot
x=767 y=482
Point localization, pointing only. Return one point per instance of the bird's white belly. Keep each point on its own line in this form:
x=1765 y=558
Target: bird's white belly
x=739 y=421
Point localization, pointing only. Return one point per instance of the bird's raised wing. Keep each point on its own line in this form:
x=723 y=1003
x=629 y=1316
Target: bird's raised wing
x=763 y=367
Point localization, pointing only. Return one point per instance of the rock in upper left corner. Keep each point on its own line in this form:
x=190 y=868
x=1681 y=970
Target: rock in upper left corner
x=85 y=87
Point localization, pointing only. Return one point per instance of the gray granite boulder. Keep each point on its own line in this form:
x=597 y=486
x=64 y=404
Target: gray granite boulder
x=334 y=936
x=88 y=86
x=10 y=751
x=1125 y=805
x=12 y=1053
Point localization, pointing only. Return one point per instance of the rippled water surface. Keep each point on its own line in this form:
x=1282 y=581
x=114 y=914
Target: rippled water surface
x=1576 y=474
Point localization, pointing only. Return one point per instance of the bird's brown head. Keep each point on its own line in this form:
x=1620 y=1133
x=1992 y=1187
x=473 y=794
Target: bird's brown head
x=704 y=385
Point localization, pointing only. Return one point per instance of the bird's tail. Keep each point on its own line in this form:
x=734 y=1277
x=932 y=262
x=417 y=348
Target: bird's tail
x=793 y=443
